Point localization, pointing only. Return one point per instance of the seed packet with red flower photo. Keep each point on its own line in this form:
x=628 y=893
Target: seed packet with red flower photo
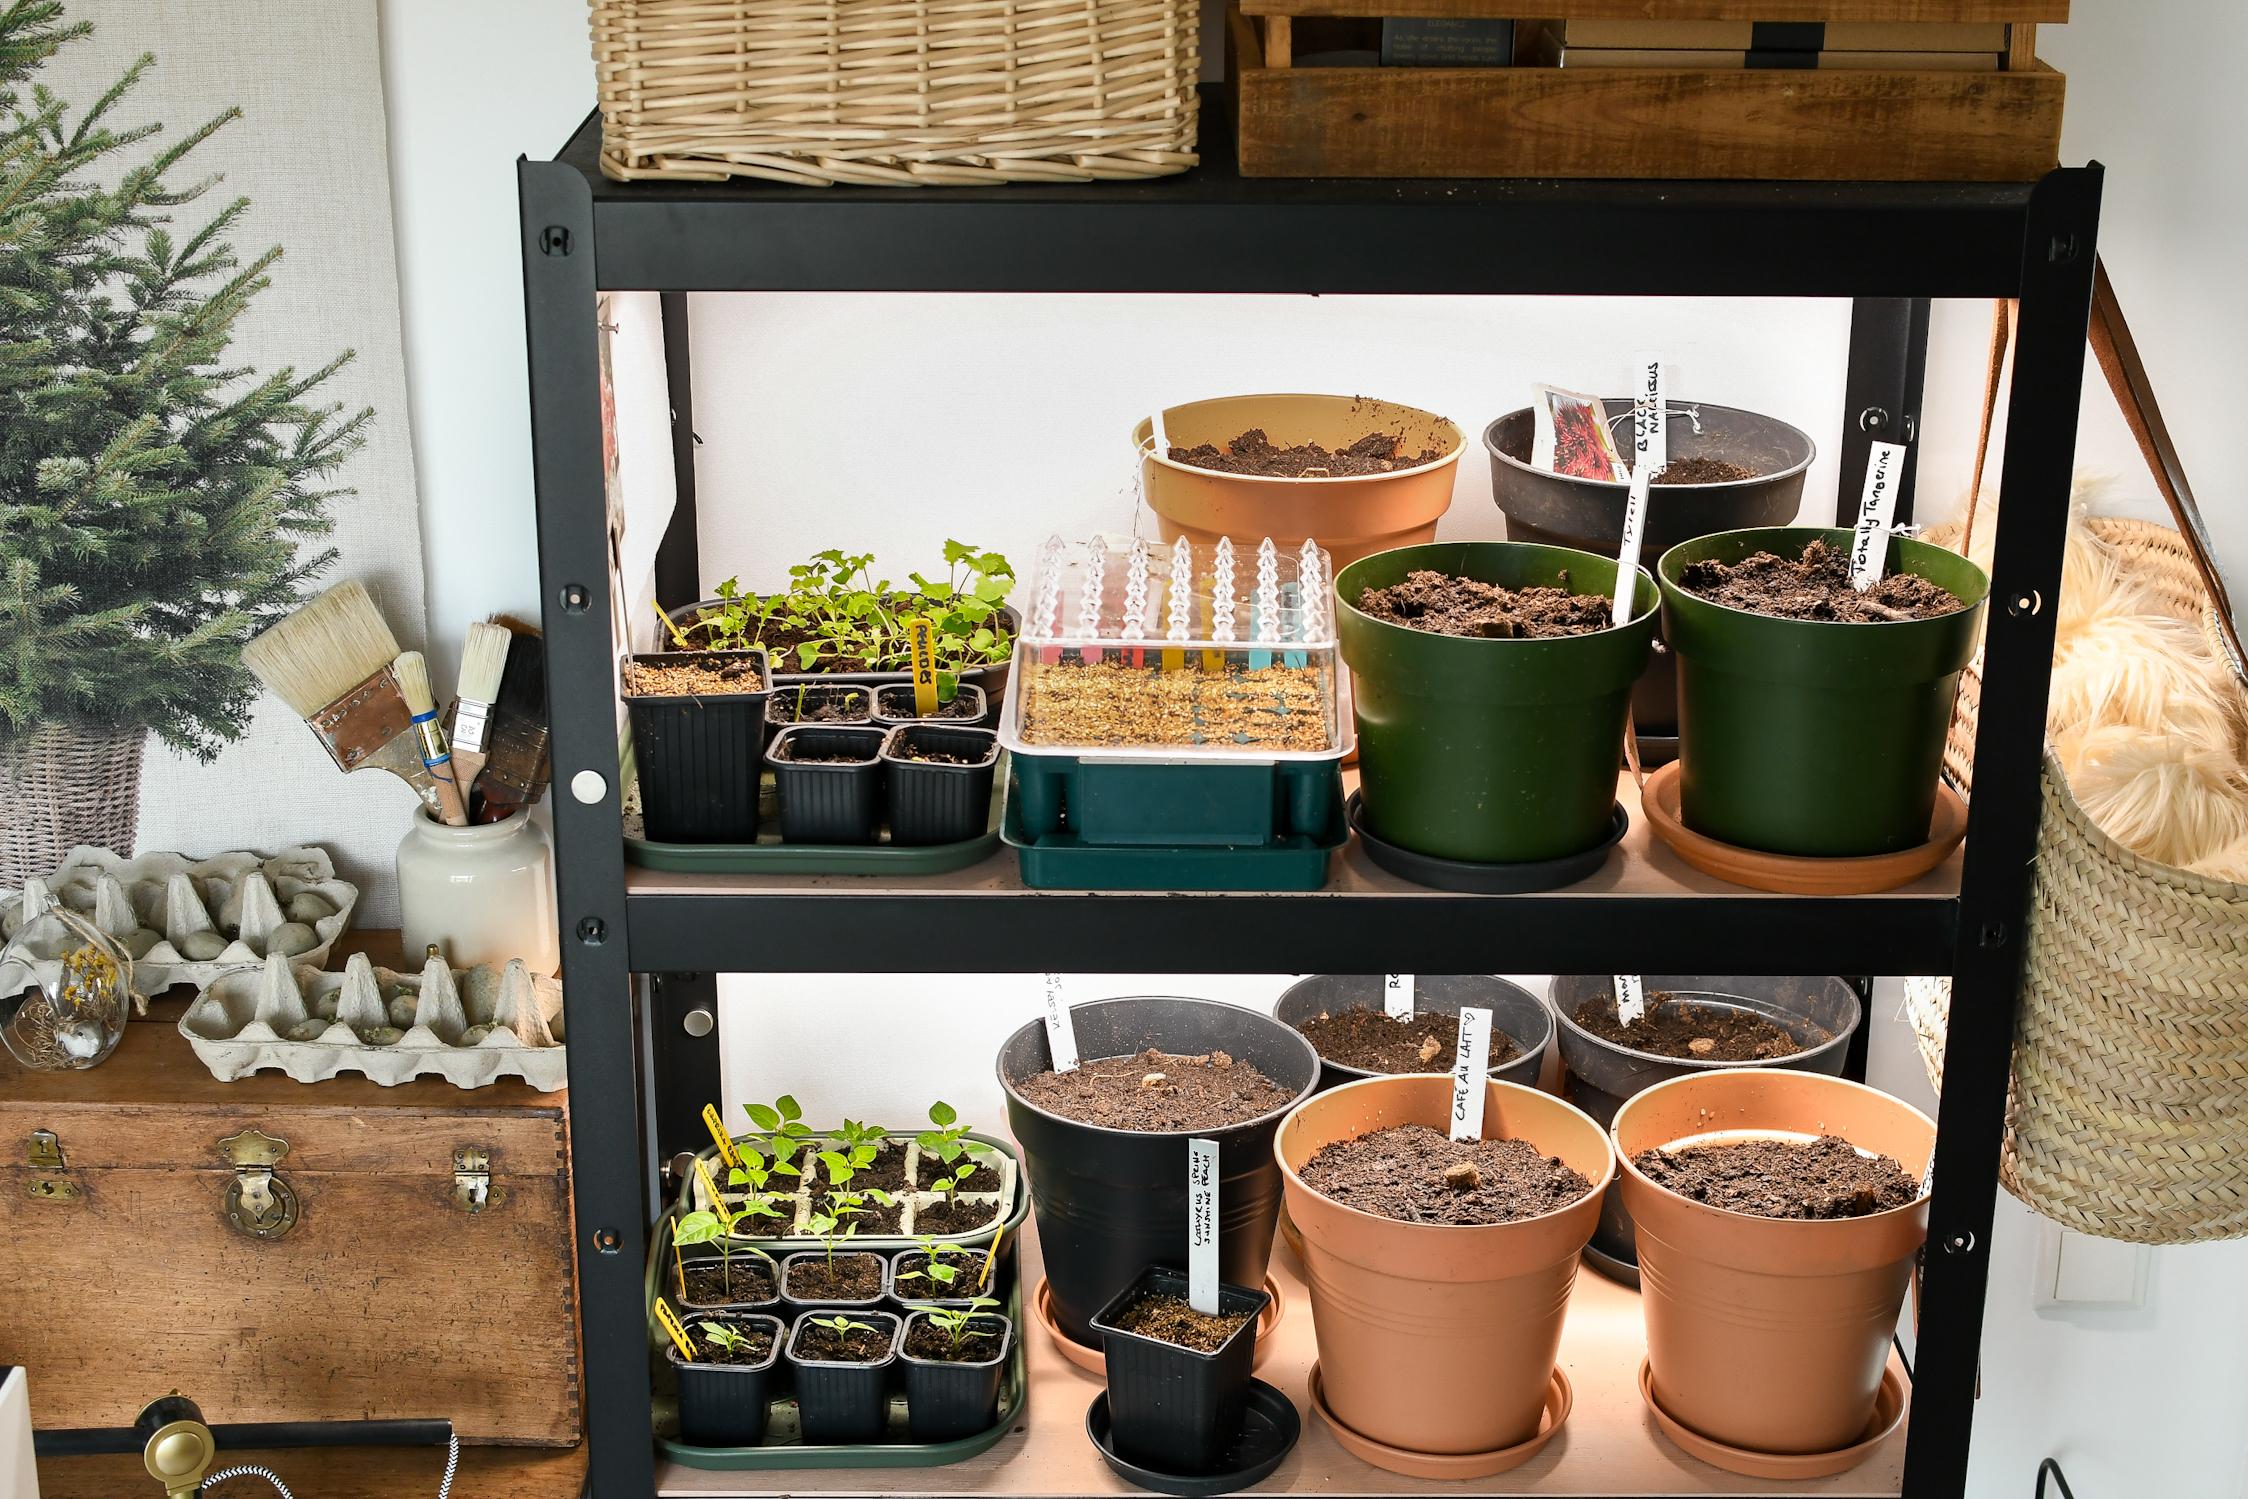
x=1573 y=437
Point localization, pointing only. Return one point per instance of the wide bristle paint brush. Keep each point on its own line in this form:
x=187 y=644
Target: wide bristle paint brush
x=518 y=763
x=331 y=662
x=483 y=663
x=436 y=754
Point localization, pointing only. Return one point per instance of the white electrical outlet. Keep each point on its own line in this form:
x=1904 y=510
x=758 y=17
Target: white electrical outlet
x=2081 y=1273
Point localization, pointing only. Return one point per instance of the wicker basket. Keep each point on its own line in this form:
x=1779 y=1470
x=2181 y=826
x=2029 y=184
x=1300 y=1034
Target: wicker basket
x=897 y=93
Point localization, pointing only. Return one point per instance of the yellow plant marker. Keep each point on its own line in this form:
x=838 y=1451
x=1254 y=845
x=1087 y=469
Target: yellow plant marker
x=671 y=1324
x=725 y=1142
x=922 y=637
x=989 y=1260
x=717 y=1203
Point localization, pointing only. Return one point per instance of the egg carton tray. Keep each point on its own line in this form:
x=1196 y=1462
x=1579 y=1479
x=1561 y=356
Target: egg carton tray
x=469 y=1026
x=240 y=899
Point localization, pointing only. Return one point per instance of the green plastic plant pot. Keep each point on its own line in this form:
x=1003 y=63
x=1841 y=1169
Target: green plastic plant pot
x=1811 y=737
x=1495 y=751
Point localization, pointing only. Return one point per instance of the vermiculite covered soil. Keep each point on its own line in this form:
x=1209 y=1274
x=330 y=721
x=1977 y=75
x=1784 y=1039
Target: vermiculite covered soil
x=1370 y=1040
x=1816 y=587
x=1155 y=1091
x=1444 y=605
x=1172 y=1320
x=1675 y=1028
x=1825 y=1178
x=1416 y=1175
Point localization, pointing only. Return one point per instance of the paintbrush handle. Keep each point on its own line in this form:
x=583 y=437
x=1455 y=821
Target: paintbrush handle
x=467 y=766
x=450 y=806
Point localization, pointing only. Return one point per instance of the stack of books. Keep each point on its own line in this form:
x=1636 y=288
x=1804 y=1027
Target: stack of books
x=1867 y=46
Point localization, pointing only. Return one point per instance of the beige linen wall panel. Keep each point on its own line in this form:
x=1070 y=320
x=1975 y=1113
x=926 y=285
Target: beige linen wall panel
x=310 y=154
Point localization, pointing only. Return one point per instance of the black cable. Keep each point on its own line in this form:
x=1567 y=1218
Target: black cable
x=2054 y=1468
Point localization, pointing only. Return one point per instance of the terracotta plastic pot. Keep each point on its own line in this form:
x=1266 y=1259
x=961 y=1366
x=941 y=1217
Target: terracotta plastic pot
x=1435 y=1338
x=1770 y=1334
x=1350 y=517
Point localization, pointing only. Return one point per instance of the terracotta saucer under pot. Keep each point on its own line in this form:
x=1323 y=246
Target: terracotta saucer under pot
x=1792 y=874
x=1558 y=1401
x=1888 y=1415
x=1093 y=1361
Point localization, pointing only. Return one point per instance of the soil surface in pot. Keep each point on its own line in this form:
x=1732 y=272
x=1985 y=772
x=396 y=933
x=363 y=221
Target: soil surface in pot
x=958 y=1217
x=1253 y=453
x=1441 y=604
x=857 y=1277
x=1169 y=1319
x=916 y=753
x=1112 y=703
x=911 y=1281
x=1371 y=1041
x=1816 y=587
x=692 y=678
x=1822 y=1178
x=861 y=1343
x=1155 y=1091
x=887 y=1172
x=817 y=707
x=898 y=701
x=756 y=1345
x=933 y=1344
x=1695 y=1033
x=707 y=1282
x=1702 y=471
x=1415 y=1175
x=874 y=1217
x=787 y=753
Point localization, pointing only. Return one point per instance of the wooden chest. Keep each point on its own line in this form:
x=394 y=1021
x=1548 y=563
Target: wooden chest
x=386 y=1297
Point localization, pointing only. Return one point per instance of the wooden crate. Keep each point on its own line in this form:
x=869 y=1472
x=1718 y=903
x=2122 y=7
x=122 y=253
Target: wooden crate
x=1555 y=122
x=385 y=1299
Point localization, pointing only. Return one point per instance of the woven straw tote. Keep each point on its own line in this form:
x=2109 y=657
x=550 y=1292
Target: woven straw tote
x=2127 y=1110
x=897 y=93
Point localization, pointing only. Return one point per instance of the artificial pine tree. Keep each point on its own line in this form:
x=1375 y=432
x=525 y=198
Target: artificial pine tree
x=152 y=497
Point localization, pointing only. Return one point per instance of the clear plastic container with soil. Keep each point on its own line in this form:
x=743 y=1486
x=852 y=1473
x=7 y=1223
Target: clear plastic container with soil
x=937 y=778
x=894 y=704
x=1798 y=1023
x=726 y=1391
x=821 y=703
x=1178 y=1381
x=842 y=1374
x=829 y=781
x=698 y=738
x=849 y=1280
x=1345 y=1018
x=952 y=1373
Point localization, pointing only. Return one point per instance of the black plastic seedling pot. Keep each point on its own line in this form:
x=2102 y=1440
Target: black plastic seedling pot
x=834 y=793
x=793 y=704
x=793 y=1303
x=894 y=705
x=934 y=802
x=843 y=1404
x=1174 y=1409
x=1516 y=1014
x=746 y=1262
x=947 y=1401
x=725 y=1405
x=922 y=1292
x=699 y=756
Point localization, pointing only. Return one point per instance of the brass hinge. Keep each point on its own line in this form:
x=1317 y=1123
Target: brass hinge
x=46 y=1151
x=46 y=1155
x=472 y=1180
x=258 y=1203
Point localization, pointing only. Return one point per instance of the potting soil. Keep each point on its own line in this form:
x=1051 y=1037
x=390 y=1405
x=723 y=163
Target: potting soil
x=1824 y=1178
x=1815 y=587
x=1414 y=1174
x=782 y=707
x=900 y=703
x=922 y=1286
x=862 y=1344
x=958 y=1217
x=936 y=757
x=931 y=1342
x=1172 y=1320
x=1253 y=453
x=1371 y=1041
x=755 y=1350
x=857 y=1277
x=1155 y=1091
x=788 y=753
x=1671 y=1027
x=707 y=1284
x=1113 y=704
x=692 y=678
x=1702 y=471
x=1444 y=605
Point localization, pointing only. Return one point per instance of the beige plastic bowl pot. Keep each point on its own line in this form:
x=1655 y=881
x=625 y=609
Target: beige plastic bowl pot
x=1350 y=517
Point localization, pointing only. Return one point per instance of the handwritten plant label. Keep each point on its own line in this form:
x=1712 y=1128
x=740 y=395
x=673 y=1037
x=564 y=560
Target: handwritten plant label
x=1650 y=451
x=1631 y=997
x=1928 y=1173
x=1397 y=995
x=921 y=637
x=671 y=1324
x=1202 y=1226
x=717 y=1203
x=1470 y=1064
x=1061 y=1036
x=991 y=1258
x=724 y=1141
x=1877 y=509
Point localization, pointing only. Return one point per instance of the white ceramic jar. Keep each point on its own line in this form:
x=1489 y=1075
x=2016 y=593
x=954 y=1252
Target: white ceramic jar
x=483 y=894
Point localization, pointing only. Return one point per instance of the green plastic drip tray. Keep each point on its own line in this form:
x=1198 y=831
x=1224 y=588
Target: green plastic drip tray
x=1061 y=861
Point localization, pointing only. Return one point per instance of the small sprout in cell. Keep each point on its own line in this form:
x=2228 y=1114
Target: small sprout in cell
x=784 y=1130
x=953 y=1321
x=938 y=1275
x=732 y=1339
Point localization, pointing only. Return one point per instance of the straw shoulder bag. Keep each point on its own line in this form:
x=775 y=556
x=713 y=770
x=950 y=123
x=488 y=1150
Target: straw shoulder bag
x=2127 y=1108
x=897 y=93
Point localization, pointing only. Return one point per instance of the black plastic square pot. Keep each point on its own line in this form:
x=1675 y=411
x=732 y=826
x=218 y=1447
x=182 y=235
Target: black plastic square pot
x=893 y=705
x=932 y=802
x=786 y=703
x=946 y=1402
x=921 y=1293
x=745 y=1260
x=725 y=1405
x=794 y=1304
x=826 y=800
x=700 y=755
x=1176 y=1410
x=843 y=1404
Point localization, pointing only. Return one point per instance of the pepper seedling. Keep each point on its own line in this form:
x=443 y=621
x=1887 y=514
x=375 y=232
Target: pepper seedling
x=829 y=1227
x=954 y=1320
x=732 y=1339
x=938 y=1274
x=948 y=1144
x=783 y=1123
x=843 y=1327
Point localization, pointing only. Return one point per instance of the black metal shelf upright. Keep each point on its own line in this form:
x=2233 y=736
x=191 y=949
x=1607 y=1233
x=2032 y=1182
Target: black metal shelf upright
x=1888 y=246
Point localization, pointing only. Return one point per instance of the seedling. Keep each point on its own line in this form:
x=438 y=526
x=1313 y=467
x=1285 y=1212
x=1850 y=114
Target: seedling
x=954 y=1320
x=939 y=1275
x=732 y=1339
x=831 y=1229
x=709 y=1228
x=783 y=1124
x=843 y=1326
x=948 y=1144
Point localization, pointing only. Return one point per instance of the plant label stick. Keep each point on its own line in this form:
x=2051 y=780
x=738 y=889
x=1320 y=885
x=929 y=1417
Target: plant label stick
x=990 y=1259
x=1469 y=1065
x=1869 y=551
x=1397 y=995
x=725 y=1142
x=1650 y=451
x=1061 y=1036
x=717 y=1203
x=922 y=637
x=1202 y=1226
x=1631 y=997
x=671 y=1324
x=1928 y=1173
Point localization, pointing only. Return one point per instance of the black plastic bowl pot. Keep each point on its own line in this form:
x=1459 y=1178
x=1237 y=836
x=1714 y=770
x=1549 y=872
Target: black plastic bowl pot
x=1820 y=1013
x=1111 y=1202
x=1808 y=737
x=725 y=1405
x=947 y=1400
x=1516 y=1013
x=698 y=755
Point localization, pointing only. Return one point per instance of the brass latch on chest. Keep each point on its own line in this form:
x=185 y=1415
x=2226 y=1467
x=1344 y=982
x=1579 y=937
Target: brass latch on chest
x=258 y=1203
x=472 y=1180
x=46 y=1155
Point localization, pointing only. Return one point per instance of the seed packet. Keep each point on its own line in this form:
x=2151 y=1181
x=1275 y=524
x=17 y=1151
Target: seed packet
x=1573 y=436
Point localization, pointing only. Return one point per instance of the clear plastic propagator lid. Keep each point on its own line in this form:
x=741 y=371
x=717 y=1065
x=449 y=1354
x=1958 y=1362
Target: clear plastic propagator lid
x=1194 y=651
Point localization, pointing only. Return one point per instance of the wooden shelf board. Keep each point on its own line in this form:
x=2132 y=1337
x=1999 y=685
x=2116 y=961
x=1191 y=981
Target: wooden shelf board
x=2053 y=11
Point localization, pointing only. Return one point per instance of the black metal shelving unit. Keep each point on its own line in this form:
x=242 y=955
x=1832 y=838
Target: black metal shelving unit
x=638 y=953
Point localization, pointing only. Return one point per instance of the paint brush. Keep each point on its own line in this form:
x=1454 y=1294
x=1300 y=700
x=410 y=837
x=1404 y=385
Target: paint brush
x=331 y=662
x=483 y=663
x=518 y=764
x=436 y=755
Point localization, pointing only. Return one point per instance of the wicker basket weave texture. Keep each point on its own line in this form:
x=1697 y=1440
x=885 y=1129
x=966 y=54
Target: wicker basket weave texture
x=65 y=785
x=2127 y=1112
x=907 y=93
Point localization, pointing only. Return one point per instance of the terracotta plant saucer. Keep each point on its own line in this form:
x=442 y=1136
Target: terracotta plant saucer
x=1093 y=1361
x=1888 y=1414
x=1790 y=874
x=1559 y=1398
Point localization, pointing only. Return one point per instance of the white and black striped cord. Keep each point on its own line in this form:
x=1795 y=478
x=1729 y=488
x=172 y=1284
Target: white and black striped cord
x=444 y=1488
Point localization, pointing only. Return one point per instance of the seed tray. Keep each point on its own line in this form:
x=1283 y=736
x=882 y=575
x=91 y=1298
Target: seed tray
x=1011 y=1203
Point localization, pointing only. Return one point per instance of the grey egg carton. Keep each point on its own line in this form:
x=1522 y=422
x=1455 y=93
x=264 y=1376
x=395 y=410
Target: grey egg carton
x=793 y=1210
x=224 y=911
x=469 y=1026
